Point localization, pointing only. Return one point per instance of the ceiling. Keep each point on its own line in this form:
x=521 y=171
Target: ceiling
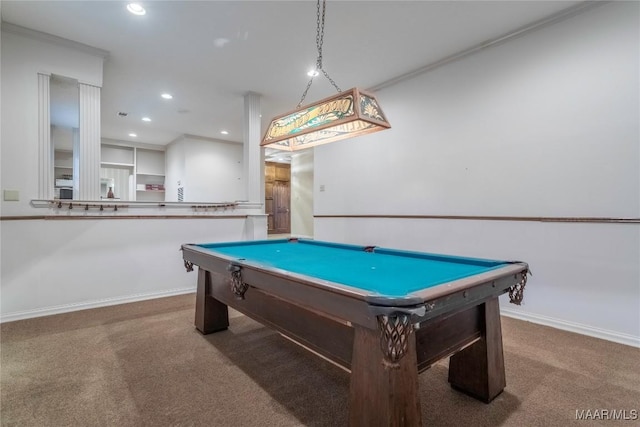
x=208 y=54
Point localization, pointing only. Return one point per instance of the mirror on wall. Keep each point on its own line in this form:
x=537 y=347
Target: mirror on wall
x=64 y=107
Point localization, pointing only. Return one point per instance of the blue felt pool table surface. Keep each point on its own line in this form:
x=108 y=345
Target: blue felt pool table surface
x=382 y=271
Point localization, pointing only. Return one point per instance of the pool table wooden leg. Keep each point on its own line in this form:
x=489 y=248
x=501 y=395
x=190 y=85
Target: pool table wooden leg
x=211 y=314
x=381 y=395
x=478 y=370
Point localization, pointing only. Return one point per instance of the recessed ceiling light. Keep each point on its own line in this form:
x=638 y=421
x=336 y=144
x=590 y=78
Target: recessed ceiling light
x=312 y=73
x=224 y=132
x=133 y=135
x=136 y=9
x=146 y=119
x=167 y=96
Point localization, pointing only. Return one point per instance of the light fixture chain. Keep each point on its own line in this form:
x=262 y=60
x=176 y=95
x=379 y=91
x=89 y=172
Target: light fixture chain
x=331 y=80
x=305 y=92
x=320 y=31
x=319 y=43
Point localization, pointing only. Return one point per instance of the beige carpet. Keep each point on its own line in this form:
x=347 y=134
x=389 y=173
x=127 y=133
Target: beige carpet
x=144 y=364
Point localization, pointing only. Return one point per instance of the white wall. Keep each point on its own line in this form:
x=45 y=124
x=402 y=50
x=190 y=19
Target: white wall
x=302 y=194
x=544 y=125
x=209 y=170
x=22 y=58
x=51 y=266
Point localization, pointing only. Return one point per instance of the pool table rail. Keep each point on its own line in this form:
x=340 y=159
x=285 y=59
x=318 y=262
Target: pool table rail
x=202 y=256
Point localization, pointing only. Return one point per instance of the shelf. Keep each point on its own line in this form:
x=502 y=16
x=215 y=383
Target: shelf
x=150 y=191
x=63 y=167
x=128 y=165
x=150 y=174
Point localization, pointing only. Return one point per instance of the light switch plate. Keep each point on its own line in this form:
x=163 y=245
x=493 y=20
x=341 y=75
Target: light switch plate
x=11 y=195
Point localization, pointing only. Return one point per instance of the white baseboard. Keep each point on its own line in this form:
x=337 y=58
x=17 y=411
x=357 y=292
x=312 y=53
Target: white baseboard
x=578 y=328
x=66 y=308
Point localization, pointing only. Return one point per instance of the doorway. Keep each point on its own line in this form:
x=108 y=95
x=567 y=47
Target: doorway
x=277 y=197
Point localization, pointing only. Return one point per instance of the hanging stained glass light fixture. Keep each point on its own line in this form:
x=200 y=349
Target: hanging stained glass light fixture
x=347 y=114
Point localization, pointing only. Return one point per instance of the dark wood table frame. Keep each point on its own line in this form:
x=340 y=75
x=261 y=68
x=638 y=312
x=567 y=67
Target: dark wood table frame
x=383 y=343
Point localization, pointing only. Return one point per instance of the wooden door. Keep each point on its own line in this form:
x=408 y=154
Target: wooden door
x=282 y=207
x=277 y=195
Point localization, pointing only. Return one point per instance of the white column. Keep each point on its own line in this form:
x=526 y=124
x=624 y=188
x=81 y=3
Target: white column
x=253 y=157
x=89 y=145
x=76 y=164
x=45 y=148
x=256 y=227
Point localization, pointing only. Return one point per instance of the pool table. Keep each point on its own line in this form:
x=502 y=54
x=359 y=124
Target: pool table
x=384 y=315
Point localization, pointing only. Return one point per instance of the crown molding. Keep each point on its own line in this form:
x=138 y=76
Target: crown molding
x=206 y=138
x=38 y=35
x=529 y=28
